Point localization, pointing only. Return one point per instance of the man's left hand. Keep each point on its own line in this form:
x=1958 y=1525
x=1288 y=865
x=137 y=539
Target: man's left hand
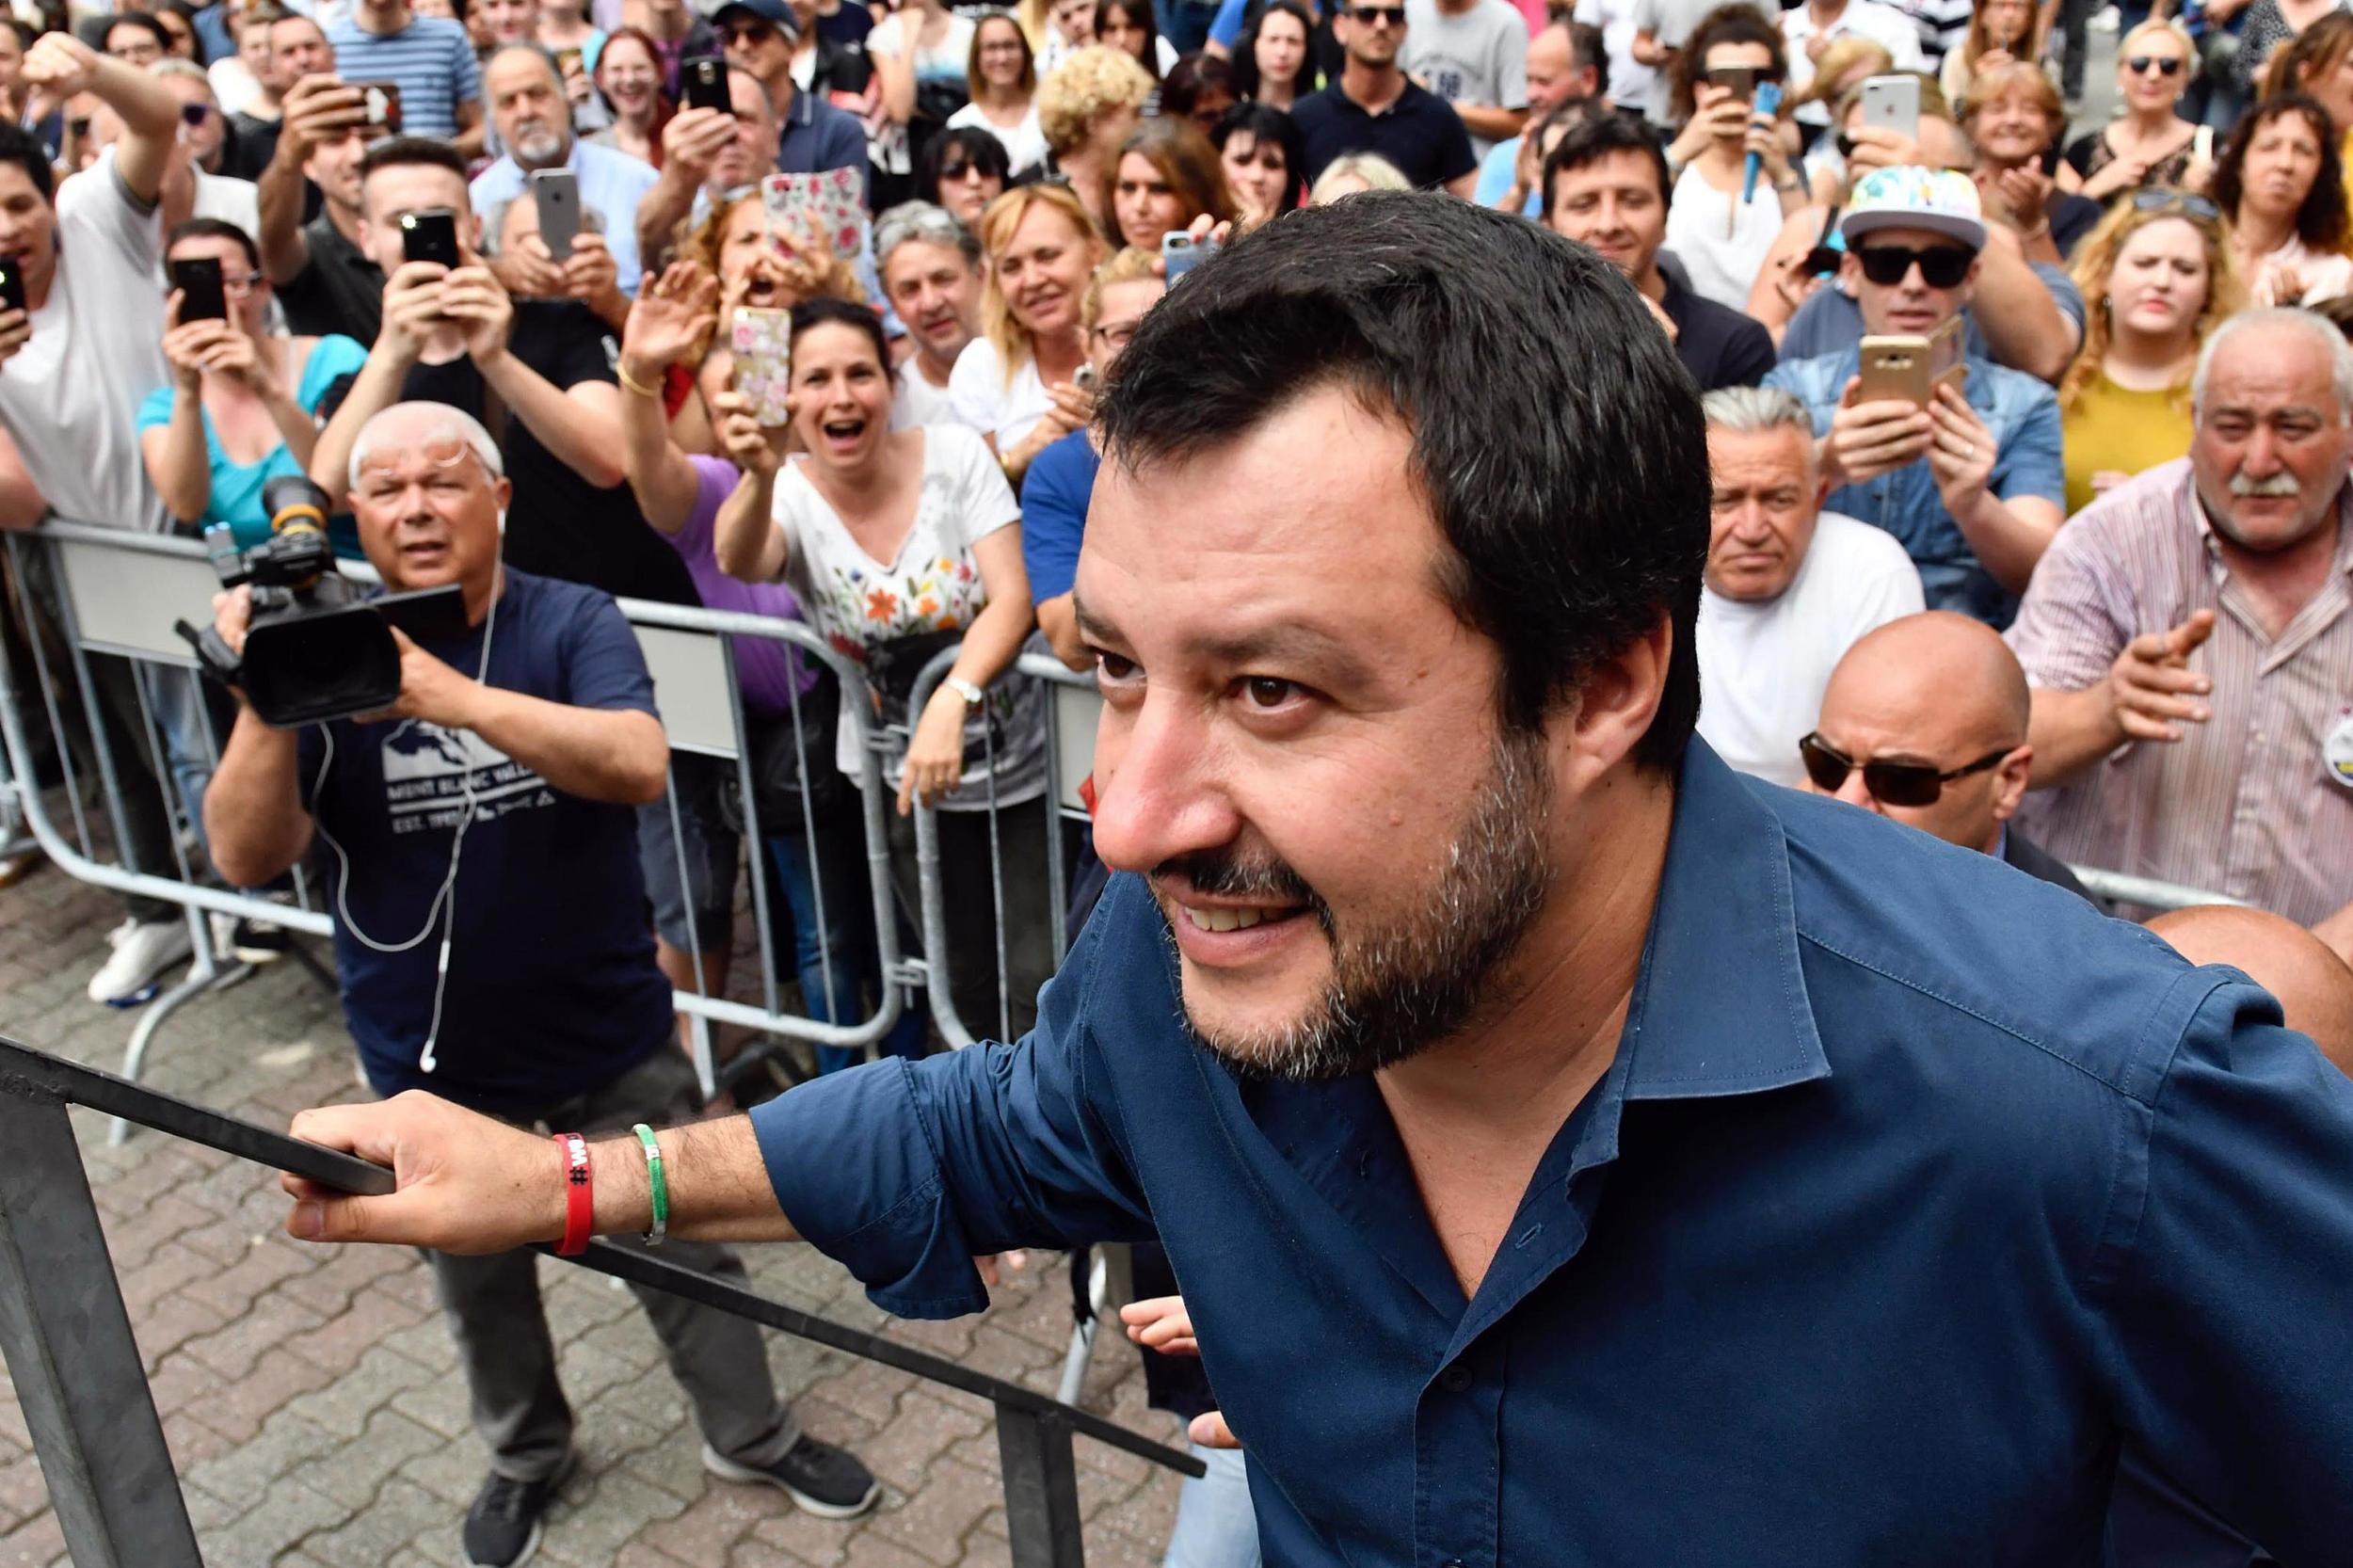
x=466 y=1184
x=592 y=275
x=1960 y=450
x=472 y=297
x=429 y=690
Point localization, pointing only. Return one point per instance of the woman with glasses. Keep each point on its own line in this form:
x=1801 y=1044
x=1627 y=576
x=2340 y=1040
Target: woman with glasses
x=1002 y=75
x=2016 y=122
x=242 y=407
x=2149 y=144
x=1265 y=158
x=1721 y=238
x=964 y=170
x=1270 y=61
x=2001 y=32
x=2159 y=275
x=1016 y=383
x=2279 y=186
x=1168 y=176
x=628 y=74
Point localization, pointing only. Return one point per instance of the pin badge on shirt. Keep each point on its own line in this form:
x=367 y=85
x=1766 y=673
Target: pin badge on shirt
x=2336 y=751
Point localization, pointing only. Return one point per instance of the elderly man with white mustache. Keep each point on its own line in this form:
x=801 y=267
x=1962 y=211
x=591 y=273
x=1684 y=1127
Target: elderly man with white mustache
x=533 y=123
x=2188 y=637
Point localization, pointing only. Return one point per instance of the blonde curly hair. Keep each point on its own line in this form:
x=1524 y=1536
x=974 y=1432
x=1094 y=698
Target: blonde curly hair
x=1089 y=83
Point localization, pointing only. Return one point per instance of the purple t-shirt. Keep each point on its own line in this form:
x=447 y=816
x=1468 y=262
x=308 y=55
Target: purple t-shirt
x=766 y=669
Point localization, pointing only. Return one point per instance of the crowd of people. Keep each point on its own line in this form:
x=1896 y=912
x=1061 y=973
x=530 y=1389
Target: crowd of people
x=2028 y=456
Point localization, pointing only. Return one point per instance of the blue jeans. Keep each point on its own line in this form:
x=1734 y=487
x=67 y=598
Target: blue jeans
x=1216 y=1524
x=834 y=957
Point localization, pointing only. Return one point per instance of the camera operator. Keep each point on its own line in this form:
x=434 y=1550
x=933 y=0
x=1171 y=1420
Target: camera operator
x=72 y=369
x=490 y=809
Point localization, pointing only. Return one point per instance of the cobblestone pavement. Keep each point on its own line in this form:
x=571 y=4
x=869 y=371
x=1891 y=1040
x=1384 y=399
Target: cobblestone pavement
x=312 y=1398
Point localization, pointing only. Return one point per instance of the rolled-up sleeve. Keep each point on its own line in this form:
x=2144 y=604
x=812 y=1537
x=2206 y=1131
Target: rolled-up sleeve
x=903 y=1171
x=2234 y=1318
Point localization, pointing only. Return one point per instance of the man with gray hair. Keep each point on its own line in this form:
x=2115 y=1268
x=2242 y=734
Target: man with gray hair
x=534 y=121
x=1788 y=586
x=2187 y=636
x=930 y=266
x=490 y=936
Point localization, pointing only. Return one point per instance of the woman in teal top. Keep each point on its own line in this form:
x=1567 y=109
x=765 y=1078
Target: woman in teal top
x=243 y=405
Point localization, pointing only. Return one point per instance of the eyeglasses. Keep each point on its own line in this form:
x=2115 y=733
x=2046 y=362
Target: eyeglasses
x=1942 y=267
x=2157 y=198
x=195 y=115
x=747 y=32
x=1889 y=783
x=1118 y=334
x=2164 y=65
x=1378 y=16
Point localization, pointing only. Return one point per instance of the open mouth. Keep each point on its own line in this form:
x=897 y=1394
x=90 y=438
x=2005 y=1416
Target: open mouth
x=844 y=432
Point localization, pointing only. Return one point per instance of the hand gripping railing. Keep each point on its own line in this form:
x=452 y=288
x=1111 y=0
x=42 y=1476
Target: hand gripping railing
x=67 y=1337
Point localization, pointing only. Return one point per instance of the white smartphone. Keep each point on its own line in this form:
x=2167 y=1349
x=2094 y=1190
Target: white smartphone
x=1893 y=104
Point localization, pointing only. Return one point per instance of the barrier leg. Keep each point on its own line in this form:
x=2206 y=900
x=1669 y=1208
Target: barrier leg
x=1041 y=1489
x=71 y=1355
x=204 y=976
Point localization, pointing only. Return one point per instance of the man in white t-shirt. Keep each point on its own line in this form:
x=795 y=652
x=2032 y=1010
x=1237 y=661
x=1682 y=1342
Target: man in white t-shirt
x=1474 y=54
x=74 y=367
x=1789 y=587
x=930 y=266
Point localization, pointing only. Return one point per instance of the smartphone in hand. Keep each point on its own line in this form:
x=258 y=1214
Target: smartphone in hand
x=203 y=294
x=556 y=193
x=703 y=83
x=429 y=234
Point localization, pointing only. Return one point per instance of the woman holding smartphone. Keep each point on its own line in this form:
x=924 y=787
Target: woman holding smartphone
x=1016 y=383
x=900 y=544
x=242 y=408
x=2001 y=32
x=1168 y=176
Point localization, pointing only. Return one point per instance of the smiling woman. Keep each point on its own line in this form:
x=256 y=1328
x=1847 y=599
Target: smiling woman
x=1016 y=382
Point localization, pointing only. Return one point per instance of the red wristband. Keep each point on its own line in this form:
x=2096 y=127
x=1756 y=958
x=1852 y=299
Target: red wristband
x=578 y=1196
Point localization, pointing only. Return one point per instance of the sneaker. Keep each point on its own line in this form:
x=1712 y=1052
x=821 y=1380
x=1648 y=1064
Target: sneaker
x=818 y=1476
x=143 y=950
x=502 y=1527
x=258 y=941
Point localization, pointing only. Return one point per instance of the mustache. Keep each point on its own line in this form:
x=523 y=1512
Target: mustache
x=2281 y=484
x=1236 y=873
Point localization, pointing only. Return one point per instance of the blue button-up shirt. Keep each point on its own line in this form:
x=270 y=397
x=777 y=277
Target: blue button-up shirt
x=1913 y=1186
x=2022 y=412
x=611 y=184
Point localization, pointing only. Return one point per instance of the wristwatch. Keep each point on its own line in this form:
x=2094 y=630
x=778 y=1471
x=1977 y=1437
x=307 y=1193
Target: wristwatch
x=971 y=693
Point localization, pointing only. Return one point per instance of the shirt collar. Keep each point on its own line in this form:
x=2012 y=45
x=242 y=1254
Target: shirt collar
x=1720 y=1007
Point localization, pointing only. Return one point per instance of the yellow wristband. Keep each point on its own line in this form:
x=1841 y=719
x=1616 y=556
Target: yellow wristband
x=632 y=384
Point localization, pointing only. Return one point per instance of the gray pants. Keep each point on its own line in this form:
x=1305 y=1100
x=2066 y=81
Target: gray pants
x=502 y=1331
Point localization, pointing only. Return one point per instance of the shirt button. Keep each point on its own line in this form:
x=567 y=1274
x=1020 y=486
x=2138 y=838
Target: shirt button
x=1455 y=1378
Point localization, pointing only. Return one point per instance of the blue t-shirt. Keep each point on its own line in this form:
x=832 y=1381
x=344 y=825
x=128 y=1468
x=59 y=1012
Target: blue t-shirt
x=552 y=989
x=431 y=58
x=1495 y=178
x=237 y=498
x=1054 y=513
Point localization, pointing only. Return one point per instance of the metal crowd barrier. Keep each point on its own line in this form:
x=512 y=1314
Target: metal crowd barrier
x=78 y=1378
x=117 y=593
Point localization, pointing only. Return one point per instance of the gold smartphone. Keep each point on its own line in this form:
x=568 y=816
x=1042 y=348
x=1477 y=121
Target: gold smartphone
x=1897 y=368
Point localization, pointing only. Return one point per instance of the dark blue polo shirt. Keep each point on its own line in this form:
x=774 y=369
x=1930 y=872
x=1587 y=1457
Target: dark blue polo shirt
x=817 y=137
x=1915 y=1185
x=1421 y=133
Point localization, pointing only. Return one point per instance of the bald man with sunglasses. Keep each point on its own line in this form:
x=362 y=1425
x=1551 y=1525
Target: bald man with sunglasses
x=1924 y=722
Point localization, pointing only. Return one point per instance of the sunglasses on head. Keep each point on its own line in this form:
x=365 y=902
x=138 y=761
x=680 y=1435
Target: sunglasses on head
x=1375 y=16
x=2164 y=65
x=1942 y=267
x=1889 y=783
x=2158 y=199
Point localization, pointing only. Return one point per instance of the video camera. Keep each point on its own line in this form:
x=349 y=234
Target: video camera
x=315 y=649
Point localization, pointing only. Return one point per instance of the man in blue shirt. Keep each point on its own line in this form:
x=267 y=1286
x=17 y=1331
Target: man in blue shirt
x=1970 y=484
x=535 y=125
x=1571 y=1152
x=428 y=58
x=490 y=933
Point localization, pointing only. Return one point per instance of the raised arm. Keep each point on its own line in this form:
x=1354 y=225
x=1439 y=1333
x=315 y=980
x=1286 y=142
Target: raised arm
x=673 y=314
x=412 y=301
x=746 y=538
x=2023 y=325
x=319 y=109
x=580 y=425
x=64 y=65
x=690 y=142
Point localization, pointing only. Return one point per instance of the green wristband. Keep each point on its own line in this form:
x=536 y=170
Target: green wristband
x=657 y=1183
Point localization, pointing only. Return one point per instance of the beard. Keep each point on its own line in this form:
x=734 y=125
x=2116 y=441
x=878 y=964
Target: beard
x=1403 y=984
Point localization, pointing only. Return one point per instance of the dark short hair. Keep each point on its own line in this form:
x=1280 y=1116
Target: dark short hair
x=2322 y=223
x=977 y=143
x=214 y=229
x=1573 y=525
x=27 y=151
x=135 y=19
x=1266 y=124
x=826 y=310
x=1586 y=43
x=402 y=152
x=1599 y=137
x=1192 y=76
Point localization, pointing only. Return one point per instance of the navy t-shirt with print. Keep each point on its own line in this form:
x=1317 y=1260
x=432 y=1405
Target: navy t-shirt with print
x=552 y=989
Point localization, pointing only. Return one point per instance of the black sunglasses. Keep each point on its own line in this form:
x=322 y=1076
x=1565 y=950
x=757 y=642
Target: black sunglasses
x=1889 y=783
x=2165 y=65
x=2157 y=198
x=747 y=32
x=194 y=115
x=1374 y=16
x=1942 y=267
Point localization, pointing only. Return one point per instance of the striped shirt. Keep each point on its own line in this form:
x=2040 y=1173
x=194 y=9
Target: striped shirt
x=2248 y=803
x=432 y=61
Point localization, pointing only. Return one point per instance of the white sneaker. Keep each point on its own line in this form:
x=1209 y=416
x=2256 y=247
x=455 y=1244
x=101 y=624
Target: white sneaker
x=143 y=950
x=2106 y=19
